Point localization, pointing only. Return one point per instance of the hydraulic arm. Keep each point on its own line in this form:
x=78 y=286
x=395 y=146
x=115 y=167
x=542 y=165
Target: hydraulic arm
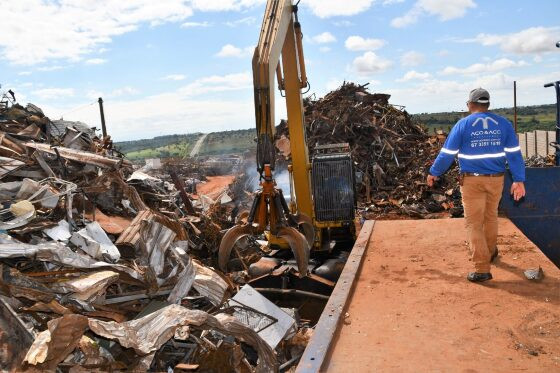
x=280 y=39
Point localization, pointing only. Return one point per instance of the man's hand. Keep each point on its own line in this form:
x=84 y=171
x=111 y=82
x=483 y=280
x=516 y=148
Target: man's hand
x=517 y=190
x=431 y=179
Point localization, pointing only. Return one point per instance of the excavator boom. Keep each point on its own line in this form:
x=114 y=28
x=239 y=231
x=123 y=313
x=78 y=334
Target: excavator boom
x=315 y=207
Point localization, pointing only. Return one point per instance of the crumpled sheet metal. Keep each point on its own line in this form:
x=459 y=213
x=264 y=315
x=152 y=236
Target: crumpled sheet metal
x=210 y=284
x=53 y=345
x=56 y=252
x=147 y=334
x=105 y=183
x=94 y=241
x=16 y=284
x=81 y=156
x=89 y=287
x=185 y=282
x=155 y=240
x=131 y=236
x=61 y=232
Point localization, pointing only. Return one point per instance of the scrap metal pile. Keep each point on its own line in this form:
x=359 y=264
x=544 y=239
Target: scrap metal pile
x=106 y=269
x=540 y=161
x=390 y=150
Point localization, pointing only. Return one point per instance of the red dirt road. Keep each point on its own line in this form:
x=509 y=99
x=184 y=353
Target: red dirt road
x=214 y=186
x=414 y=311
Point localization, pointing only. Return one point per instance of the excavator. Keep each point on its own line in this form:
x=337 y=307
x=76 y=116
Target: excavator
x=322 y=205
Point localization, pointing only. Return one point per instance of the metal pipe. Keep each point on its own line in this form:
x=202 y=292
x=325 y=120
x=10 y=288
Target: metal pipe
x=103 y=128
x=289 y=363
x=292 y=292
x=556 y=85
x=299 y=47
x=515 y=105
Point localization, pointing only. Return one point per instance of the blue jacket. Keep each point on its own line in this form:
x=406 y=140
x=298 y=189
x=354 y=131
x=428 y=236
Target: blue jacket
x=483 y=142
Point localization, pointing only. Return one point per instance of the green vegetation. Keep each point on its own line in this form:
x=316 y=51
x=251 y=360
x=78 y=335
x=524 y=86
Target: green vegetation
x=529 y=118
x=227 y=142
x=158 y=147
x=236 y=141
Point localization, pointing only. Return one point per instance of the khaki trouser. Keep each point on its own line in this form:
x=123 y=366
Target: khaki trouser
x=481 y=196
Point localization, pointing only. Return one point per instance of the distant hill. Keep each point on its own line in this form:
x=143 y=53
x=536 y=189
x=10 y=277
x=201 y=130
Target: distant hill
x=529 y=118
x=226 y=142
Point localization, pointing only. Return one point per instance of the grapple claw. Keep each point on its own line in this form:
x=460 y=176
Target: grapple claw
x=299 y=246
x=228 y=241
x=306 y=224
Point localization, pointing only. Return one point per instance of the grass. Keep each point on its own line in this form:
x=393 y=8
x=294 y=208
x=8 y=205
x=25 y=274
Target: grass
x=529 y=118
x=179 y=146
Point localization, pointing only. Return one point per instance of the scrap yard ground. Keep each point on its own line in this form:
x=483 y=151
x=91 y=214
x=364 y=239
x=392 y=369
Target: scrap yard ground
x=412 y=309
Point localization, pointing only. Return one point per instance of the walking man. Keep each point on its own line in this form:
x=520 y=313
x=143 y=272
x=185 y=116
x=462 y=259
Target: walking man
x=483 y=142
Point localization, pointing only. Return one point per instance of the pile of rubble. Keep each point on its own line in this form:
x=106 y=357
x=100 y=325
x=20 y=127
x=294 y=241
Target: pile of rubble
x=391 y=151
x=540 y=161
x=104 y=268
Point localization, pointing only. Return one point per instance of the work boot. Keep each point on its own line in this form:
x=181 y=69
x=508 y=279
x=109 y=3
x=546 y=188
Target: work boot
x=494 y=255
x=479 y=277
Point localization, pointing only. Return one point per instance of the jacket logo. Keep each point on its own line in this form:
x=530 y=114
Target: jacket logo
x=485 y=122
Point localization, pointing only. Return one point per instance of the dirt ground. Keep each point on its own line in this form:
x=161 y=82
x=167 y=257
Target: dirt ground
x=414 y=311
x=214 y=186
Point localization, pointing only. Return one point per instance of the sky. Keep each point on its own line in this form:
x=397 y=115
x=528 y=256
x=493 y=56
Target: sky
x=182 y=66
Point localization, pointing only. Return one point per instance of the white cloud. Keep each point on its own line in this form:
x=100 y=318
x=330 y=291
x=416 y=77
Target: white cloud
x=36 y=31
x=174 y=77
x=23 y=73
x=187 y=109
x=246 y=21
x=531 y=40
x=224 y=5
x=119 y=92
x=412 y=58
x=447 y=95
x=443 y=53
x=95 y=61
x=414 y=75
x=53 y=93
x=333 y=83
x=50 y=68
x=218 y=83
x=370 y=63
x=325 y=49
x=331 y=8
x=324 y=38
x=230 y=50
x=69 y=29
x=195 y=24
x=343 y=23
x=124 y=91
x=391 y=2
x=480 y=68
x=444 y=9
x=358 y=43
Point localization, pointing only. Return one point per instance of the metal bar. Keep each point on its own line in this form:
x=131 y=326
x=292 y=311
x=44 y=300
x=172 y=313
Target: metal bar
x=556 y=86
x=515 y=105
x=182 y=193
x=128 y=298
x=103 y=128
x=325 y=330
x=292 y=292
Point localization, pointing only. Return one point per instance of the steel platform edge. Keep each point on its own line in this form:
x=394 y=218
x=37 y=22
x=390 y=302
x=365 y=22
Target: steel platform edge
x=325 y=331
